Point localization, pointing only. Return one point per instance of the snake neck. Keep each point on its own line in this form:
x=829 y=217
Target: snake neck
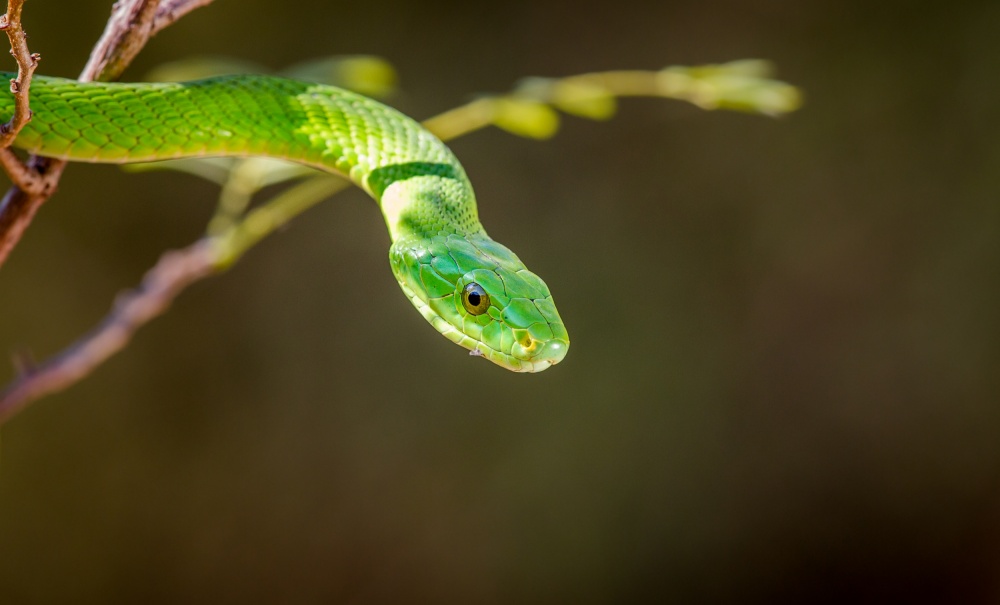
x=424 y=204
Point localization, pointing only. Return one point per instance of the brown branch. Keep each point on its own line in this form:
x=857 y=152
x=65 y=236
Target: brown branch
x=172 y=10
x=127 y=31
x=24 y=176
x=131 y=25
x=18 y=207
x=173 y=273
x=27 y=61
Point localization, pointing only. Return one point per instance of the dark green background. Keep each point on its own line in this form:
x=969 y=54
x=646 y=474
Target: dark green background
x=783 y=385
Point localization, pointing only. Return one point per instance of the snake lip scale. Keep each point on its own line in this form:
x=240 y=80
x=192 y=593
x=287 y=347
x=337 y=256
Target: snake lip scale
x=472 y=289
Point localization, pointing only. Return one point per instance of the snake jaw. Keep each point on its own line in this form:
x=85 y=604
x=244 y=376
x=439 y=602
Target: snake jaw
x=520 y=330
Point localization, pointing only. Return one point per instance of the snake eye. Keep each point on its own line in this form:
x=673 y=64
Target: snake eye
x=475 y=299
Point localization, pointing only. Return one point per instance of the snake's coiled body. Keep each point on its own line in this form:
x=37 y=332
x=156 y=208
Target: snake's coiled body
x=473 y=290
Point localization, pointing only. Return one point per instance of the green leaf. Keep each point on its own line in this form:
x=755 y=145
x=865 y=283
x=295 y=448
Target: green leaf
x=269 y=171
x=525 y=117
x=740 y=86
x=750 y=68
x=571 y=95
x=584 y=99
x=196 y=68
x=216 y=170
x=368 y=75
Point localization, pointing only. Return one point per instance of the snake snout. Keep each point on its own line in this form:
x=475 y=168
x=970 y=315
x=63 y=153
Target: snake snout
x=553 y=352
x=537 y=354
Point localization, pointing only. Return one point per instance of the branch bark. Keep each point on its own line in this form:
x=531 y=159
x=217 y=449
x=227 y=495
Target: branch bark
x=20 y=173
x=128 y=29
x=10 y=23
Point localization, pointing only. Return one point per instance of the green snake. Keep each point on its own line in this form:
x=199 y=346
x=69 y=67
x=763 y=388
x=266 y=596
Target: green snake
x=473 y=290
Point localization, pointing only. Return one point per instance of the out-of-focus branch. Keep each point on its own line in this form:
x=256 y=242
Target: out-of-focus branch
x=128 y=29
x=131 y=25
x=172 y=10
x=174 y=272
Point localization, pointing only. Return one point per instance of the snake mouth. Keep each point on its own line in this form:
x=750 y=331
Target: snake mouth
x=541 y=355
x=551 y=353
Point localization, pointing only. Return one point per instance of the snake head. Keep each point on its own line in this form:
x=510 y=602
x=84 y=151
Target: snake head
x=479 y=295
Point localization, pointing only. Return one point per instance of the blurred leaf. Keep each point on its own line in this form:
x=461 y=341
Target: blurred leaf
x=196 y=68
x=743 y=95
x=579 y=98
x=584 y=100
x=368 y=75
x=216 y=170
x=526 y=118
x=739 y=85
x=364 y=74
x=270 y=171
x=264 y=171
x=751 y=68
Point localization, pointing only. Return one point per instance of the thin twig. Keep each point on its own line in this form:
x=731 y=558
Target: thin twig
x=24 y=176
x=131 y=25
x=174 y=272
x=172 y=10
x=26 y=64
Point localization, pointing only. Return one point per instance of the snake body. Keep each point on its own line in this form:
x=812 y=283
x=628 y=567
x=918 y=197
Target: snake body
x=473 y=290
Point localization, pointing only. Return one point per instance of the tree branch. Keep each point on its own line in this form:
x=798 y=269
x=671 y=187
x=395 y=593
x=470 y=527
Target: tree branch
x=10 y=23
x=173 y=273
x=22 y=175
x=172 y=10
x=131 y=25
x=128 y=29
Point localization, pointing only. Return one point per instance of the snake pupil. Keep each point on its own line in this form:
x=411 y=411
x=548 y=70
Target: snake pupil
x=475 y=300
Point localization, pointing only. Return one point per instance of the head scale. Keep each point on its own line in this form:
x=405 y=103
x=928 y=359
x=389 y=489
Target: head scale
x=480 y=295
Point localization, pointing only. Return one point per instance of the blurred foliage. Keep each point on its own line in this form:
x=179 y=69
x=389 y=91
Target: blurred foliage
x=371 y=76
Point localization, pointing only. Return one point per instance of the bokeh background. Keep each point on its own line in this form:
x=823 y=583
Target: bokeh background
x=783 y=385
